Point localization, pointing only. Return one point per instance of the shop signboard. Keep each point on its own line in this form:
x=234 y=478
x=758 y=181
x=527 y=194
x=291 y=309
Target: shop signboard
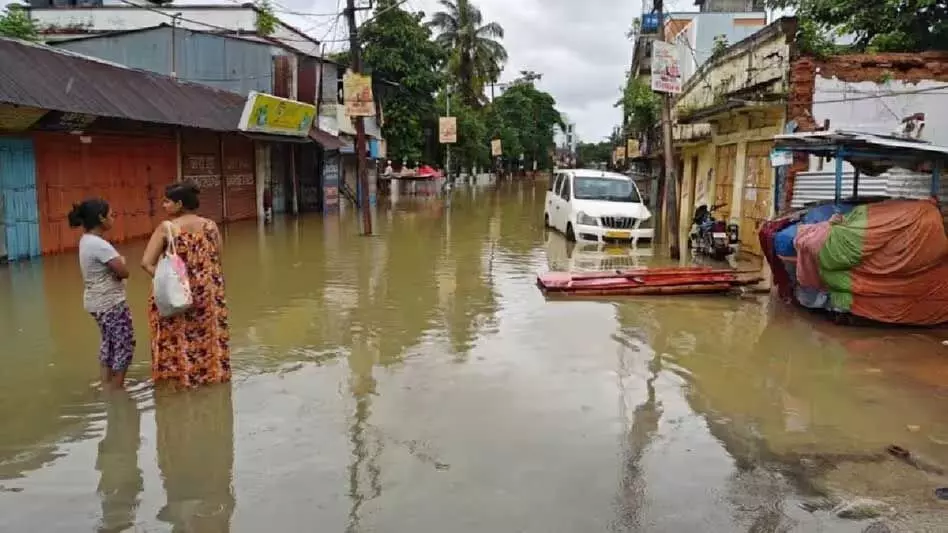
x=18 y=117
x=265 y=113
x=331 y=184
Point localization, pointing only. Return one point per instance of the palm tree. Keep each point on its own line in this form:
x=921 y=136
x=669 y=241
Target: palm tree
x=477 y=57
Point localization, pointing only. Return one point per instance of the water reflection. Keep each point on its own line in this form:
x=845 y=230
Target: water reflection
x=195 y=443
x=120 y=481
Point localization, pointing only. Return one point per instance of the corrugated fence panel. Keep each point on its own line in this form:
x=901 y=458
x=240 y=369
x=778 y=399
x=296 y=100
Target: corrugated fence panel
x=234 y=65
x=19 y=218
x=811 y=187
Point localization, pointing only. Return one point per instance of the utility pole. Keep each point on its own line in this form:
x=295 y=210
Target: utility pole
x=447 y=162
x=355 y=54
x=671 y=179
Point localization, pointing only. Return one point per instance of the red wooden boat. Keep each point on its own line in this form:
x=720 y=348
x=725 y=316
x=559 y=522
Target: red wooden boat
x=668 y=280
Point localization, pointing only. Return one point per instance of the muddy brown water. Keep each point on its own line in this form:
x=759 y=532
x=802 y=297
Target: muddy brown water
x=418 y=381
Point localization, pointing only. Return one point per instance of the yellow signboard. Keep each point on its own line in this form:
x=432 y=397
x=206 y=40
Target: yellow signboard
x=495 y=148
x=632 y=150
x=19 y=118
x=448 y=130
x=265 y=113
x=357 y=91
x=620 y=153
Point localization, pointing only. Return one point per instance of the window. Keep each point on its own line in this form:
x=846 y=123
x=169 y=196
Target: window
x=606 y=189
x=564 y=190
x=555 y=182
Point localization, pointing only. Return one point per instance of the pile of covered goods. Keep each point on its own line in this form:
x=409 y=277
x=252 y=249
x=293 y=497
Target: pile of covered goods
x=885 y=261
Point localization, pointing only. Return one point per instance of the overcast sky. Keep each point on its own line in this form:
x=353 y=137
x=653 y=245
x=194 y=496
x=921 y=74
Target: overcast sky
x=578 y=45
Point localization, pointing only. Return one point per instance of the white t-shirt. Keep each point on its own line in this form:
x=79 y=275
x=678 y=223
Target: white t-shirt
x=102 y=290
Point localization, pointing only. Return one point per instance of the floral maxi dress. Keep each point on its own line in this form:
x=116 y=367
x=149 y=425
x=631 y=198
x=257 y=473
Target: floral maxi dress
x=193 y=348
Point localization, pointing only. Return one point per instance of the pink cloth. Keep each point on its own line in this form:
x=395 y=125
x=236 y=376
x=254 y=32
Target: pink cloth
x=808 y=243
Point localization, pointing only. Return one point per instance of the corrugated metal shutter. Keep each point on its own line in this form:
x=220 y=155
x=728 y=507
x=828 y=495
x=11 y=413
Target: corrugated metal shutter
x=19 y=218
x=240 y=188
x=817 y=186
x=201 y=164
x=130 y=172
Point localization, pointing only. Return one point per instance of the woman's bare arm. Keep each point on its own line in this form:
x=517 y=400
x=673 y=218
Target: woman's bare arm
x=156 y=245
x=118 y=267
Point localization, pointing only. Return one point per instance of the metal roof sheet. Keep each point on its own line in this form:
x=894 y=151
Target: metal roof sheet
x=40 y=76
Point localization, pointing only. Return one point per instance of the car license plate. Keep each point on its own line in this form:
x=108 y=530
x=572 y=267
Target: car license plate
x=718 y=235
x=618 y=234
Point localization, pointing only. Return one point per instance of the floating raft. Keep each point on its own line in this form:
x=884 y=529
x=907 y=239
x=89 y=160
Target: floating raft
x=645 y=281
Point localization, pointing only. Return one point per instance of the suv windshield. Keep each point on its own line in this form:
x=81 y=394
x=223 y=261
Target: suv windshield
x=606 y=189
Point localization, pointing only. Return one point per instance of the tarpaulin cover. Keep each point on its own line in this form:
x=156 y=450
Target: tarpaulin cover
x=766 y=235
x=822 y=213
x=809 y=243
x=885 y=261
x=783 y=241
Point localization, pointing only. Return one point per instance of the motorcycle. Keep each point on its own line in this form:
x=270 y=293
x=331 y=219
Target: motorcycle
x=711 y=237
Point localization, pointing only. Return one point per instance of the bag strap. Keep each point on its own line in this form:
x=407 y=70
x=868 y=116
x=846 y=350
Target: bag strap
x=170 y=246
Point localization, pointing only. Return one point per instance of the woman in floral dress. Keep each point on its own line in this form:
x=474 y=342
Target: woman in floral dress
x=192 y=348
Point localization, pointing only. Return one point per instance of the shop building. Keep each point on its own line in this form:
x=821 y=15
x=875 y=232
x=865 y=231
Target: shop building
x=72 y=127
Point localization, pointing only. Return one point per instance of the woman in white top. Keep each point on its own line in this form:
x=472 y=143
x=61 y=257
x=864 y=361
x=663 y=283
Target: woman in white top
x=104 y=273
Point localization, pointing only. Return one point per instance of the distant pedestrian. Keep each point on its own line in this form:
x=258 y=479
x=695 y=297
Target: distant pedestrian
x=104 y=273
x=191 y=348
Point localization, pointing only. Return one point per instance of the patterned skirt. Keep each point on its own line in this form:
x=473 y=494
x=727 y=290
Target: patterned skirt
x=118 y=337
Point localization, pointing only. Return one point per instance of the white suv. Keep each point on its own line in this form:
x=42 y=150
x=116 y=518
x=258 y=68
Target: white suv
x=593 y=205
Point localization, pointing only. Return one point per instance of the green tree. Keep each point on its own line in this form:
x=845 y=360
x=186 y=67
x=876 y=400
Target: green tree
x=471 y=149
x=397 y=47
x=476 y=55
x=591 y=154
x=883 y=25
x=524 y=118
x=640 y=105
x=16 y=22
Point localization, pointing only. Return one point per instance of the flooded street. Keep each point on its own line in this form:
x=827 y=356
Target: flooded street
x=417 y=380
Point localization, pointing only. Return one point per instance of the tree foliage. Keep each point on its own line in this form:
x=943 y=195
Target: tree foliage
x=476 y=55
x=16 y=22
x=266 y=18
x=397 y=46
x=640 y=106
x=591 y=154
x=524 y=119
x=881 y=25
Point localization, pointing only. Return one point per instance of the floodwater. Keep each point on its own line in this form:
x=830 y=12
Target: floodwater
x=418 y=381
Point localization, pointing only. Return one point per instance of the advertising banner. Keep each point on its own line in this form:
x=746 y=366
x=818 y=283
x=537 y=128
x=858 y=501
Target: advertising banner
x=357 y=91
x=495 y=148
x=448 y=130
x=265 y=113
x=666 y=68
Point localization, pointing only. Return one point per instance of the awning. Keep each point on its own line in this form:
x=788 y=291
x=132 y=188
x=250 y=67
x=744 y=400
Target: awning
x=327 y=141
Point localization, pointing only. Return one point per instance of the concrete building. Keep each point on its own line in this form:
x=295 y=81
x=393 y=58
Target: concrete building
x=760 y=87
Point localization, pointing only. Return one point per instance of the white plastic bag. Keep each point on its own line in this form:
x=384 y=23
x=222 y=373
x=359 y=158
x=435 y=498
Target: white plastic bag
x=172 y=289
